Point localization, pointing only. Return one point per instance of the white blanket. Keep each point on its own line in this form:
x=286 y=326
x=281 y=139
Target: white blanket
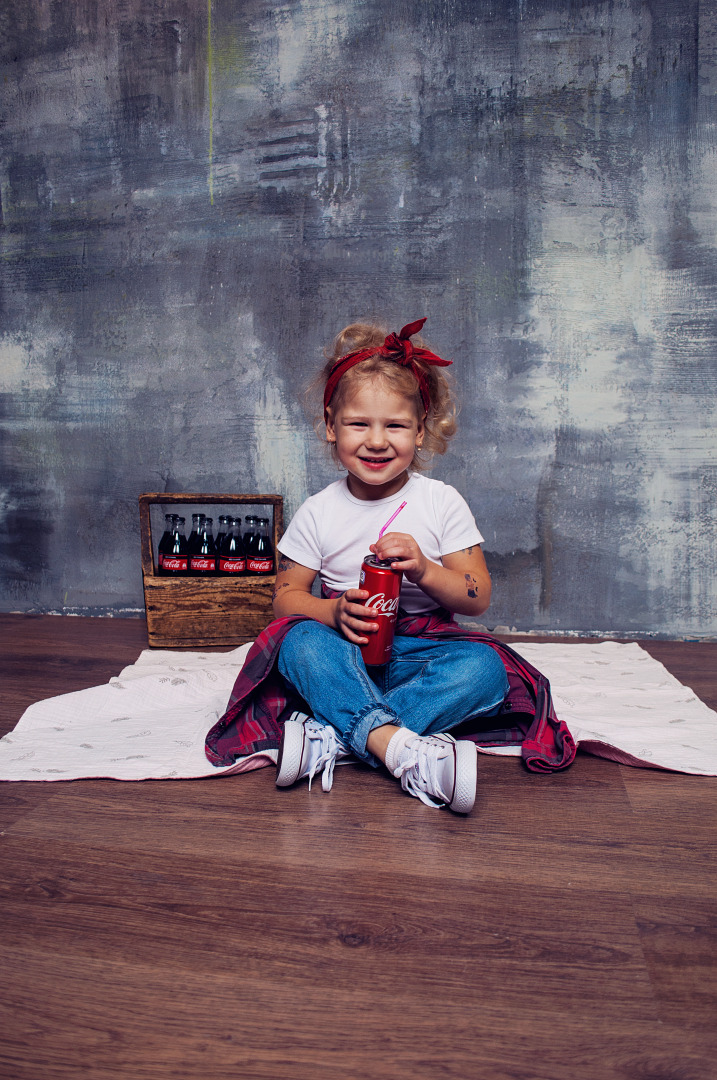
x=150 y=721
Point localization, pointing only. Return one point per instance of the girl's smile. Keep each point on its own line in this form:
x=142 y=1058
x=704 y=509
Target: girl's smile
x=376 y=434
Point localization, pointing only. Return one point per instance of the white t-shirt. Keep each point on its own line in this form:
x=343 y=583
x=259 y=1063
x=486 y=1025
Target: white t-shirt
x=331 y=532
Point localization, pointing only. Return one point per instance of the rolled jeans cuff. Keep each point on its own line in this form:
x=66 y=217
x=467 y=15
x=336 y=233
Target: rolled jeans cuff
x=370 y=717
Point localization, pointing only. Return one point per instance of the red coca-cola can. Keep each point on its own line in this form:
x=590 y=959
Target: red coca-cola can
x=384 y=586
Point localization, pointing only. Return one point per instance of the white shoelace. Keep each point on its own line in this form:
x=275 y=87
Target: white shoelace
x=418 y=771
x=331 y=747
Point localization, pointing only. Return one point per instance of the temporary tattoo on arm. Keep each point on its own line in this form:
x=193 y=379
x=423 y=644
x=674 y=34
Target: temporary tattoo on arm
x=471 y=585
x=278 y=589
x=285 y=564
x=468 y=551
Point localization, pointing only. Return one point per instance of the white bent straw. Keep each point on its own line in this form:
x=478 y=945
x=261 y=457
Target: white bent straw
x=394 y=515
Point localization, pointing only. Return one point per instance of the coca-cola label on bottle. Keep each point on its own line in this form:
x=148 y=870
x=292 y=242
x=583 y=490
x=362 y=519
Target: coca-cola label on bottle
x=232 y=566
x=203 y=564
x=177 y=565
x=259 y=566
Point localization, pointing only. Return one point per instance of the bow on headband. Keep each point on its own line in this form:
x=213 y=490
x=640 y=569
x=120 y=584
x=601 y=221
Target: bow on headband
x=396 y=347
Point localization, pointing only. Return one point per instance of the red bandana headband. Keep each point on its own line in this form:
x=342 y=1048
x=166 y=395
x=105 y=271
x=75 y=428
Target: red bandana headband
x=396 y=347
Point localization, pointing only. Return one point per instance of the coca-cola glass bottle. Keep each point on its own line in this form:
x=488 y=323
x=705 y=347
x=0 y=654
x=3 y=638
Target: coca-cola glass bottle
x=165 y=544
x=194 y=537
x=261 y=559
x=176 y=561
x=224 y=525
x=232 y=560
x=251 y=534
x=203 y=561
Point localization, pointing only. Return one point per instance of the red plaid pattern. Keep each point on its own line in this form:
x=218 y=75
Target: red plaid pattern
x=260 y=701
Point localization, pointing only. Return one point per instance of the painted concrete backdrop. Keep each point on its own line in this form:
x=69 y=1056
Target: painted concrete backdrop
x=198 y=194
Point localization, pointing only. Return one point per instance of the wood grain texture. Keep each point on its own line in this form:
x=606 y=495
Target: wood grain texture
x=190 y=612
x=222 y=928
x=194 y=613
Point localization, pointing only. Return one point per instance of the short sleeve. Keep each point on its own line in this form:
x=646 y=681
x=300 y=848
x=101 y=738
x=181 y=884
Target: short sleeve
x=459 y=529
x=300 y=542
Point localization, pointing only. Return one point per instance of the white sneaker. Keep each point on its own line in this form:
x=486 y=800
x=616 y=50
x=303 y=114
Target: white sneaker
x=308 y=748
x=435 y=765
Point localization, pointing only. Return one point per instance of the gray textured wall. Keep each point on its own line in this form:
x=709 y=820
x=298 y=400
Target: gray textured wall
x=193 y=206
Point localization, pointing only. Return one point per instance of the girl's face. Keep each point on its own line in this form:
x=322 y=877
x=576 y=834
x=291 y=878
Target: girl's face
x=376 y=432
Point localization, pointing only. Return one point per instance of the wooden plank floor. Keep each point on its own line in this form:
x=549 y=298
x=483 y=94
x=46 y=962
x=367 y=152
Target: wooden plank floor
x=220 y=928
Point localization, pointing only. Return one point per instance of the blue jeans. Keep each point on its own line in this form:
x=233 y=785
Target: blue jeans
x=428 y=686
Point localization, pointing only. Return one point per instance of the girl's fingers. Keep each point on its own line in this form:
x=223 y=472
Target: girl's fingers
x=358 y=611
x=356 y=617
x=352 y=595
x=356 y=637
x=360 y=627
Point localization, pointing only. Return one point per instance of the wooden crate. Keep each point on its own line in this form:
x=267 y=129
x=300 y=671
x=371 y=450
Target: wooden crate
x=198 y=612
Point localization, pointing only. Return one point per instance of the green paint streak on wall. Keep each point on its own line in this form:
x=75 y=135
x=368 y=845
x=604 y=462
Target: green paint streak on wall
x=230 y=56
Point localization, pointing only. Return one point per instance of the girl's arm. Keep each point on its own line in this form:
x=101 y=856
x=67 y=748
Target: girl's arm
x=461 y=583
x=292 y=596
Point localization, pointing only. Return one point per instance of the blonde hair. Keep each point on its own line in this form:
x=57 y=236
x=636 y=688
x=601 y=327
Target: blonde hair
x=440 y=421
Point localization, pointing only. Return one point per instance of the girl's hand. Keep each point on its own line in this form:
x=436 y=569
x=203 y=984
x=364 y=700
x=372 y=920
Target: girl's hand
x=347 y=614
x=460 y=582
x=350 y=616
x=405 y=550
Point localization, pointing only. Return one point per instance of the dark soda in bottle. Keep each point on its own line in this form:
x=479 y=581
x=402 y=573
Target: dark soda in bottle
x=203 y=560
x=194 y=537
x=260 y=557
x=224 y=526
x=176 y=560
x=165 y=544
x=232 y=559
x=250 y=533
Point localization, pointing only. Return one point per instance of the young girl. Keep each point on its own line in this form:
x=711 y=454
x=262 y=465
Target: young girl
x=387 y=408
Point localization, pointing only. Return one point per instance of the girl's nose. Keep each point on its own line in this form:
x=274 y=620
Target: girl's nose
x=376 y=436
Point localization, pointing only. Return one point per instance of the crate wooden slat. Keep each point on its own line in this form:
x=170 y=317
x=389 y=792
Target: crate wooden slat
x=198 y=612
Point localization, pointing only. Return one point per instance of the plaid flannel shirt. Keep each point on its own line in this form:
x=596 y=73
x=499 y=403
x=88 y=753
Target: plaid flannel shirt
x=261 y=701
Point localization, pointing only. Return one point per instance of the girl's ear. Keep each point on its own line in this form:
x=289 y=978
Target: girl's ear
x=420 y=433
x=330 y=429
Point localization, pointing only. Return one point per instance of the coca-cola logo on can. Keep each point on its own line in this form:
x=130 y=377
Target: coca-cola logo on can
x=382 y=606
